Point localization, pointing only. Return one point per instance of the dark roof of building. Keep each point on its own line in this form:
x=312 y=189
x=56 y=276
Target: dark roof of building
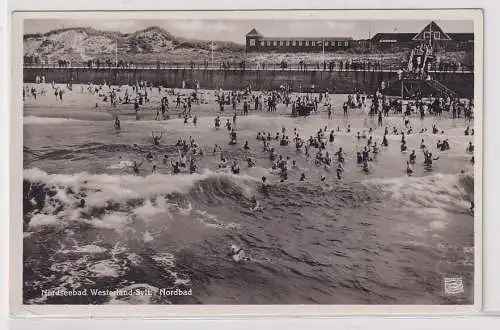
x=462 y=36
x=399 y=37
x=253 y=33
x=308 y=38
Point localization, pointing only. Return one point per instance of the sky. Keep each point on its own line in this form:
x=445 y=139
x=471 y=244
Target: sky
x=235 y=30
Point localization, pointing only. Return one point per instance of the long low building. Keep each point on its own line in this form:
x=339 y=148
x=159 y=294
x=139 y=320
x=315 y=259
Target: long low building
x=256 y=42
x=431 y=34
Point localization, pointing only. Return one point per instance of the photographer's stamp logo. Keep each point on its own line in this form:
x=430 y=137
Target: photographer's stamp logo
x=453 y=285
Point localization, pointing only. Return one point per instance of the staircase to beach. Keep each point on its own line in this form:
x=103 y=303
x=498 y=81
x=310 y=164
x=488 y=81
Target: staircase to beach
x=441 y=89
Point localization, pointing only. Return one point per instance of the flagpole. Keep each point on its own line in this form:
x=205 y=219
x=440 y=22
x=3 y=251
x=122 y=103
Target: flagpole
x=212 y=53
x=116 y=53
x=323 y=43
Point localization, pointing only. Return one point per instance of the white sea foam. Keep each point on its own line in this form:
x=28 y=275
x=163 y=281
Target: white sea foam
x=91 y=248
x=106 y=187
x=147 y=237
x=436 y=191
x=40 y=220
x=121 y=165
x=34 y=120
x=105 y=268
x=102 y=189
x=431 y=197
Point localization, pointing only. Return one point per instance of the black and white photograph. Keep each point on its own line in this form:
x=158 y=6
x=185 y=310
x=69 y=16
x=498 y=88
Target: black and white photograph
x=222 y=161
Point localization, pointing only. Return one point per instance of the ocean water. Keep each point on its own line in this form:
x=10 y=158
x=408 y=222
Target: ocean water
x=378 y=238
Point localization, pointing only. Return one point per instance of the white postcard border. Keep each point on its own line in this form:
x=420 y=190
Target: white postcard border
x=17 y=309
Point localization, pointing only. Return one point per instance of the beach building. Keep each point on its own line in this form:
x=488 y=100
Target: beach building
x=256 y=42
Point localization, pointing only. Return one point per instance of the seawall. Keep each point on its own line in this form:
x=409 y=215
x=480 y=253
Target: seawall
x=337 y=81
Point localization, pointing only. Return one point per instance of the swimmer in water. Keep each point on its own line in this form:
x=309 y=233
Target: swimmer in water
x=117 y=123
x=385 y=143
x=192 y=166
x=470 y=148
x=136 y=167
x=428 y=158
x=175 y=167
x=235 y=168
x=264 y=180
x=302 y=177
x=409 y=170
x=237 y=254
x=422 y=144
x=332 y=137
x=232 y=137
x=403 y=147
x=366 y=169
x=340 y=155
x=250 y=162
x=413 y=157
x=359 y=158
x=182 y=159
x=256 y=205
x=223 y=162
x=156 y=138
x=339 y=171
x=246 y=147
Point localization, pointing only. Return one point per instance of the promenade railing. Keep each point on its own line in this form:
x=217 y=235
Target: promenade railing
x=253 y=66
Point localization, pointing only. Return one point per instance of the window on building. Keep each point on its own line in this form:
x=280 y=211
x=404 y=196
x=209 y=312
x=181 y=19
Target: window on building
x=262 y=43
x=313 y=43
x=327 y=43
x=294 y=42
x=252 y=42
x=300 y=42
x=275 y=43
x=306 y=43
x=427 y=35
x=437 y=35
x=346 y=43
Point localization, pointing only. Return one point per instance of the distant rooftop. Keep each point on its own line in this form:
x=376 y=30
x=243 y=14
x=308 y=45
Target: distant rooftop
x=308 y=38
x=253 y=33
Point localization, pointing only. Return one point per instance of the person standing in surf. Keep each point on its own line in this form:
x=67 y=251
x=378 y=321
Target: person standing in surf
x=156 y=138
x=117 y=123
